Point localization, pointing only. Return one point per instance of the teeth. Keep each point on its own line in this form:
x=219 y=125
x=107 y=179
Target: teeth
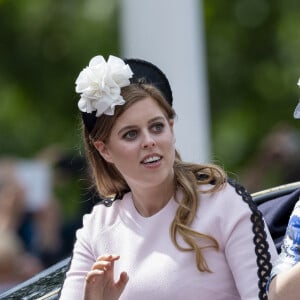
x=151 y=159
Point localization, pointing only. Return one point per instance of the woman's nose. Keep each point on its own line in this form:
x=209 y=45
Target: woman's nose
x=148 y=141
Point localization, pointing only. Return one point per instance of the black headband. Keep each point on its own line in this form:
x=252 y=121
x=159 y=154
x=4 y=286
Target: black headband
x=143 y=72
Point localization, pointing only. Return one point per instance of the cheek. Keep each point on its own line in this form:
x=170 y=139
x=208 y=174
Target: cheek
x=170 y=140
x=168 y=145
x=125 y=159
x=124 y=152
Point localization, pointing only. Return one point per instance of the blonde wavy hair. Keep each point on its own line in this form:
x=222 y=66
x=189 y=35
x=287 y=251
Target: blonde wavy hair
x=187 y=176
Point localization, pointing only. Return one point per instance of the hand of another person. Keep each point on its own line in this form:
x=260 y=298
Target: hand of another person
x=100 y=284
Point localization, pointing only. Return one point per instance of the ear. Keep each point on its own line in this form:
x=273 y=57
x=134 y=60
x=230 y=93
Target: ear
x=103 y=150
x=171 y=122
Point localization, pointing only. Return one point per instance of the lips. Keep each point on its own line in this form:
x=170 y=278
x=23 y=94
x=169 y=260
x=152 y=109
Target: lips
x=150 y=159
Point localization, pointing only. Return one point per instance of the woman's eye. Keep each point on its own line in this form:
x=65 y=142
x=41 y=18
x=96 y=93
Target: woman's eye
x=158 y=127
x=130 y=135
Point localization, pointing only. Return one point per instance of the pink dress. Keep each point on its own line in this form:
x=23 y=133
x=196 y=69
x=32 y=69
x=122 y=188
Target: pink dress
x=156 y=268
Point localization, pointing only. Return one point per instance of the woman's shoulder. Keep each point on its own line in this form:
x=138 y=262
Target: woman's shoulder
x=103 y=217
x=227 y=193
x=104 y=213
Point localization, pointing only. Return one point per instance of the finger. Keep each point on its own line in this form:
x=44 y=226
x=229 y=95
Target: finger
x=106 y=264
x=102 y=265
x=94 y=285
x=94 y=276
x=121 y=283
x=108 y=257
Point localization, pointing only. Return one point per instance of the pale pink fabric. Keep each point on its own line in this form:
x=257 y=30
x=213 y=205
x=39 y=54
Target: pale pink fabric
x=156 y=269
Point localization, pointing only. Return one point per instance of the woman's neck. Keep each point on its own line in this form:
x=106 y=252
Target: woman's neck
x=149 y=201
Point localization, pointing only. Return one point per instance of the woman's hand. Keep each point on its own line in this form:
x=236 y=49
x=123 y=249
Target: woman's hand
x=100 y=284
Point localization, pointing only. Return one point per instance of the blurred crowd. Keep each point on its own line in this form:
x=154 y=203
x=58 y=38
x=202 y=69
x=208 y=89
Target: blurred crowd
x=34 y=230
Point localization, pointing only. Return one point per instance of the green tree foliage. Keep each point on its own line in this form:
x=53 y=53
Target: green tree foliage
x=253 y=65
x=43 y=45
x=253 y=57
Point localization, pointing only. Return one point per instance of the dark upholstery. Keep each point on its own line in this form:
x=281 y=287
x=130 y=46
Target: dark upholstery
x=277 y=211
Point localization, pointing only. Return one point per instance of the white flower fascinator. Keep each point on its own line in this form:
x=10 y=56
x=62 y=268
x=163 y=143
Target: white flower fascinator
x=100 y=85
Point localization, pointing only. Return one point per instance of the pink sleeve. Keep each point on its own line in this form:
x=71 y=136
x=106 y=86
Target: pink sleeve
x=240 y=248
x=81 y=263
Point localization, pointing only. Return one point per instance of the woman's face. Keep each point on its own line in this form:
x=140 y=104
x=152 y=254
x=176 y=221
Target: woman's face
x=141 y=145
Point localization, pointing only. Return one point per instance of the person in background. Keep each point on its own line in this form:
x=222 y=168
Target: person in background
x=33 y=209
x=275 y=161
x=16 y=263
x=12 y=197
x=285 y=275
x=42 y=222
x=166 y=229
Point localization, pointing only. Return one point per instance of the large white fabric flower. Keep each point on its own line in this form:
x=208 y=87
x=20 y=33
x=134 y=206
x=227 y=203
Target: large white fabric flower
x=100 y=85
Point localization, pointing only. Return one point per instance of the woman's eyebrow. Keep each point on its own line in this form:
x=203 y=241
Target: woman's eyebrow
x=156 y=119
x=131 y=127
x=126 y=128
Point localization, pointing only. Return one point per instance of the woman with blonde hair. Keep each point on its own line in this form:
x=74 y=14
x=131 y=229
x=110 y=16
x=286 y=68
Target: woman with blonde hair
x=166 y=229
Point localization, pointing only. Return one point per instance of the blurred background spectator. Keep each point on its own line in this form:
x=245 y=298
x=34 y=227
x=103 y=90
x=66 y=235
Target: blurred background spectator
x=42 y=201
x=16 y=263
x=42 y=220
x=12 y=200
x=276 y=160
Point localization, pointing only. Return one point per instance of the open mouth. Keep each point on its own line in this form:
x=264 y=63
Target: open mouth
x=151 y=159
